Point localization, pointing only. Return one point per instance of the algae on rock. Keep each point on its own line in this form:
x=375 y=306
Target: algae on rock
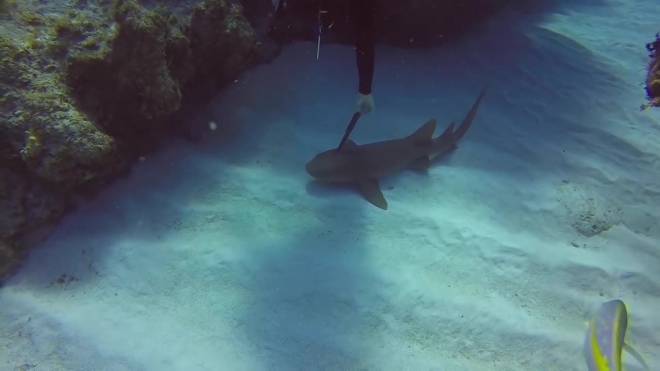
x=222 y=41
x=125 y=83
x=135 y=78
x=83 y=89
x=48 y=149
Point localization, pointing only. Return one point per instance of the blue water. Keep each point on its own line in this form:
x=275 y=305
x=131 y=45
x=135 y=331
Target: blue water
x=224 y=255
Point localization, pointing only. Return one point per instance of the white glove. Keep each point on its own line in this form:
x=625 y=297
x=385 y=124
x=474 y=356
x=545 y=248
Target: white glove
x=365 y=103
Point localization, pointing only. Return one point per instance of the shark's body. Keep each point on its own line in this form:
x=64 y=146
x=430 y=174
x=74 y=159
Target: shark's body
x=364 y=164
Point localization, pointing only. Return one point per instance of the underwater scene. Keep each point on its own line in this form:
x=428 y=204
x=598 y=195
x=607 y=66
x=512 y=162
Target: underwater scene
x=350 y=185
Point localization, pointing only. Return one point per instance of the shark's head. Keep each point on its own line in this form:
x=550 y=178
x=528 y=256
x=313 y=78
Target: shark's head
x=330 y=166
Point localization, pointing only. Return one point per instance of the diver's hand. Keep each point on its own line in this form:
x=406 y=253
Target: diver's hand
x=365 y=103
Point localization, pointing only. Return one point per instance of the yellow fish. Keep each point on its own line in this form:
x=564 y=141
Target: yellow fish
x=605 y=338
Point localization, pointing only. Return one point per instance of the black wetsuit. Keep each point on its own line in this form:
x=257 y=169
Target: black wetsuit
x=363 y=12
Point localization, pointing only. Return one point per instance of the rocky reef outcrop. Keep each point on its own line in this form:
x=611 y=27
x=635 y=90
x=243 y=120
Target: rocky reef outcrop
x=86 y=88
x=652 y=83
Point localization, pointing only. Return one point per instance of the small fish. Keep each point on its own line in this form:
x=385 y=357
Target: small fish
x=604 y=341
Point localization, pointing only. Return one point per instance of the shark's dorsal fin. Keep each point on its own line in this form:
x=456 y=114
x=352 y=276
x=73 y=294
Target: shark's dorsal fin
x=349 y=144
x=448 y=133
x=446 y=139
x=424 y=133
x=370 y=189
x=421 y=164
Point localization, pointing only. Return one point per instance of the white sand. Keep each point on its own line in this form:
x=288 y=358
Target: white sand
x=222 y=255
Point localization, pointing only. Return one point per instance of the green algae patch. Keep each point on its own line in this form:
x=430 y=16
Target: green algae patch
x=84 y=89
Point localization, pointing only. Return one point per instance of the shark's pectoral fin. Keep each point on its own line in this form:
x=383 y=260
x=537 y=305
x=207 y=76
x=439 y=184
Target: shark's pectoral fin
x=421 y=164
x=370 y=189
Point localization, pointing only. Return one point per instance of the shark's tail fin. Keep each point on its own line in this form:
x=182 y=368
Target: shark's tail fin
x=467 y=121
x=447 y=141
